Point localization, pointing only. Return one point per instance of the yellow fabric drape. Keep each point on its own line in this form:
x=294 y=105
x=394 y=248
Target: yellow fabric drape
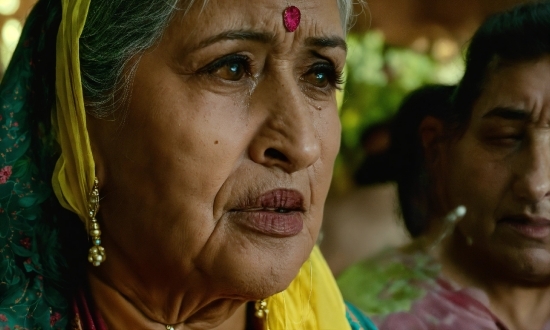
x=312 y=301
x=75 y=170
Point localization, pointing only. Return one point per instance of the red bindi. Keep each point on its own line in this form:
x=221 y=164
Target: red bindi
x=291 y=18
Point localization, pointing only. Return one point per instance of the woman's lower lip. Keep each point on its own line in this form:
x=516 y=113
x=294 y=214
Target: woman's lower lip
x=271 y=223
x=529 y=230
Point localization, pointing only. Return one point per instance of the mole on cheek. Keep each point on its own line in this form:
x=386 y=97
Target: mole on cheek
x=216 y=142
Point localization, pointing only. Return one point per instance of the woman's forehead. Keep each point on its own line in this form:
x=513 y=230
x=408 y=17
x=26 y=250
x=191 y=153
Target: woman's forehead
x=521 y=86
x=215 y=17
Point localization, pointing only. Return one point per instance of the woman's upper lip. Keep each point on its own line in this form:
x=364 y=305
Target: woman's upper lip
x=282 y=199
x=526 y=219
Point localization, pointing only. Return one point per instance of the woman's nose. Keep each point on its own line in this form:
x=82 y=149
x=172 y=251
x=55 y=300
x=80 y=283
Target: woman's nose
x=288 y=137
x=532 y=182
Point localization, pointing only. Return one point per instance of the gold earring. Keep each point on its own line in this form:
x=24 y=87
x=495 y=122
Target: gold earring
x=261 y=309
x=96 y=254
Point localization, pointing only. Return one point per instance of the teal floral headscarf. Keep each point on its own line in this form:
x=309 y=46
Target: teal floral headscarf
x=32 y=289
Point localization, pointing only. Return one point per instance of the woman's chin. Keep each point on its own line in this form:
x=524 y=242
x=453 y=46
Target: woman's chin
x=258 y=273
x=258 y=286
x=534 y=265
x=528 y=264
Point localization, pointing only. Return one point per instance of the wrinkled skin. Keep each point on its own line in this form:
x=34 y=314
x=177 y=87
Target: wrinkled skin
x=213 y=121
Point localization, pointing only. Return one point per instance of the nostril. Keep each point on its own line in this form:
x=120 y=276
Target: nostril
x=275 y=154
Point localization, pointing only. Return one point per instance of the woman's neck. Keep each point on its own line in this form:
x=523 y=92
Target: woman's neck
x=122 y=312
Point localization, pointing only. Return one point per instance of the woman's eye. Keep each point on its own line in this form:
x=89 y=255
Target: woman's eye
x=230 y=71
x=506 y=141
x=232 y=67
x=322 y=75
x=319 y=79
x=501 y=134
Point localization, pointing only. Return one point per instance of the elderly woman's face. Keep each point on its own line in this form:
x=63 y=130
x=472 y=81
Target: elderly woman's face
x=219 y=171
x=500 y=169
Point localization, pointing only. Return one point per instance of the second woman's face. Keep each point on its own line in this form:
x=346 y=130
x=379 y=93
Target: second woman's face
x=500 y=170
x=218 y=172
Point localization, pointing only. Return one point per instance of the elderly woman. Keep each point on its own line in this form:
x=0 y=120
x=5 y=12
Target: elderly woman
x=489 y=151
x=195 y=140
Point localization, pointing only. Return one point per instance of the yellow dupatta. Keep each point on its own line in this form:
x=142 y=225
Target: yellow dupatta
x=74 y=172
x=312 y=301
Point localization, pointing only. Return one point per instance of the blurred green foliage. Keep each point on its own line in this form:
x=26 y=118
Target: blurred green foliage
x=378 y=77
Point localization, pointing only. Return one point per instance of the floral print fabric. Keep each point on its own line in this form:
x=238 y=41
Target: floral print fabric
x=30 y=259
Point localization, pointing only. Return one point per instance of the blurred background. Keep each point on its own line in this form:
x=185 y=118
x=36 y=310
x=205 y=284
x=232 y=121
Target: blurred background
x=395 y=47
x=12 y=17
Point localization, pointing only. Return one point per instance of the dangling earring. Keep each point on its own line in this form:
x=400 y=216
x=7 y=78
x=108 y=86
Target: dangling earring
x=261 y=309
x=96 y=254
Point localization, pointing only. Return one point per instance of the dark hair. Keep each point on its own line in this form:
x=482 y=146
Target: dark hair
x=408 y=153
x=375 y=167
x=518 y=35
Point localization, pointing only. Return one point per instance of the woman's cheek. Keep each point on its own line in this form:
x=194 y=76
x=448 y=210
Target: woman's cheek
x=478 y=183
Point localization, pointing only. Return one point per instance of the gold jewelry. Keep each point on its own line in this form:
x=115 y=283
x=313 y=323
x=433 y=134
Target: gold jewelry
x=96 y=254
x=261 y=309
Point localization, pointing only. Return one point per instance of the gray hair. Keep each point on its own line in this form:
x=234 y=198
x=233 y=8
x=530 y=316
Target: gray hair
x=117 y=32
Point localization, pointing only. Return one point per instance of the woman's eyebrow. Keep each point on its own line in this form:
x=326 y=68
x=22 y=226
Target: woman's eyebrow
x=507 y=113
x=327 y=42
x=263 y=37
x=266 y=37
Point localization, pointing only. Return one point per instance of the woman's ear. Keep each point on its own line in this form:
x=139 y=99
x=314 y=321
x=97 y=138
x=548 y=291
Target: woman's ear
x=431 y=132
x=434 y=141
